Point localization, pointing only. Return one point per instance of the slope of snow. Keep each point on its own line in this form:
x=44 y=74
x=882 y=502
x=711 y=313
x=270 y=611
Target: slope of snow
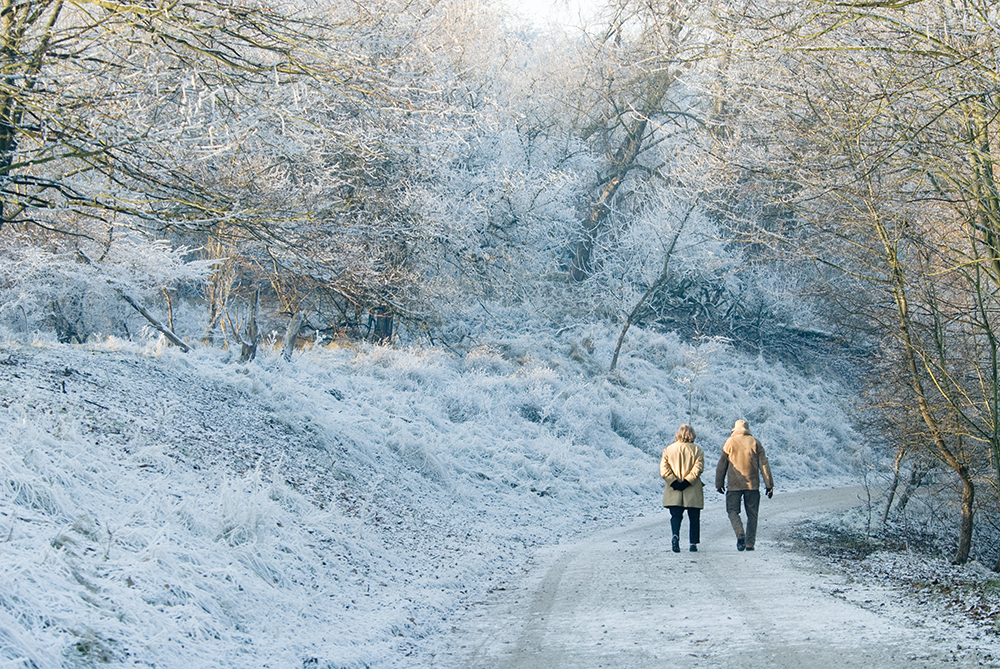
x=168 y=509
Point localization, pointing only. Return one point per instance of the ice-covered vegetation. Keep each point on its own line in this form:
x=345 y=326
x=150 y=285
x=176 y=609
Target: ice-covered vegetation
x=445 y=283
x=168 y=509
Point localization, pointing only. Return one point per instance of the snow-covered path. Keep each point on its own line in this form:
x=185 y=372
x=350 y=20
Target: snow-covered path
x=622 y=599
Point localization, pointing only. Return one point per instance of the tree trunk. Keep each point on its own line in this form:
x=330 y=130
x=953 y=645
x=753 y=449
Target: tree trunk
x=292 y=334
x=170 y=309
x=21 y=67
x=381 y=320
x=916 y=478
x=580 y=268
x=174 y=339
x=910 y=347
x=965 y=525
x=214 y=317
x=248 y=346
x=895 y=484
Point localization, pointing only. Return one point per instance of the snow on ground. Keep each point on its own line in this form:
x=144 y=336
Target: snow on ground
x=168 y=509
x=620 y=598
x=903 y=576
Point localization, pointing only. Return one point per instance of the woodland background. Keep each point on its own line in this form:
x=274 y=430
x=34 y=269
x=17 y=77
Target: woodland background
x=813 y=183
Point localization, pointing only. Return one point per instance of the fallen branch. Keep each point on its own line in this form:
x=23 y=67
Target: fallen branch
x=174 y=339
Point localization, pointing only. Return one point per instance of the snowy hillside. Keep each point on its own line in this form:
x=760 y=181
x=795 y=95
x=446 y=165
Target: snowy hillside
x=181 y=510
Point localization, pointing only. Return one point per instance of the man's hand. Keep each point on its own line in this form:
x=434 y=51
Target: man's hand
x=720 y=490
x=676 y=485
x=770 y=493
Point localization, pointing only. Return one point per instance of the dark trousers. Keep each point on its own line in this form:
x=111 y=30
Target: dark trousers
x=694 y=522
x=751 y=502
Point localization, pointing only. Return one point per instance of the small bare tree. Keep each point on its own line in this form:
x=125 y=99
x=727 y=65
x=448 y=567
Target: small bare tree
x=886 y=146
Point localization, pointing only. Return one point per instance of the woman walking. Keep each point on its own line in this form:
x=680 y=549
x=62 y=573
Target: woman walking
x=681 y=466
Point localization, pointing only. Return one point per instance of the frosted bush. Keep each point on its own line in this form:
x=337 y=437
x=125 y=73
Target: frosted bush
x=55 y=289
x=246 y=512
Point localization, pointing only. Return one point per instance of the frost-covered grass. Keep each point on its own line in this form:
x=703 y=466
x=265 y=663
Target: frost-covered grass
x=181 y=510
x=902 y=568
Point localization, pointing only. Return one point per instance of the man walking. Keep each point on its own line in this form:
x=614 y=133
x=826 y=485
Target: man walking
x=738 y=473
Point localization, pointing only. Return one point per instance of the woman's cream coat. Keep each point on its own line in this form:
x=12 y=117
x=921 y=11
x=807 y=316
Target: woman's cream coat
x=683 y=461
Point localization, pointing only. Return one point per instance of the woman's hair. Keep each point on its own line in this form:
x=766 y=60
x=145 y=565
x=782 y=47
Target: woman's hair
x=685 y=433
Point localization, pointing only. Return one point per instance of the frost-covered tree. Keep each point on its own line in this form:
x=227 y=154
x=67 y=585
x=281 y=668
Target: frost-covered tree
x=393 y=179
x=282 y=141
x=875 y=124
x=90 y=288
x=113 y=118
x=632 y=100
x=84 y=114
x=500 y=178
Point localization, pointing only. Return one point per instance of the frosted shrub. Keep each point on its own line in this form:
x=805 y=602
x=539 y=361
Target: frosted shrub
x=246 y=511
x=73 y=289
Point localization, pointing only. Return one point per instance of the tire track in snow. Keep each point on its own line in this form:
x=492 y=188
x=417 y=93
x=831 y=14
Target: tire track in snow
x=621 y=599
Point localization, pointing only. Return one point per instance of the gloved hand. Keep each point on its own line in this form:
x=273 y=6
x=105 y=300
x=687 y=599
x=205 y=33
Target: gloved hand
x=676 y=485
x=721 y=491
x=770 y=493
x=683 y=485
